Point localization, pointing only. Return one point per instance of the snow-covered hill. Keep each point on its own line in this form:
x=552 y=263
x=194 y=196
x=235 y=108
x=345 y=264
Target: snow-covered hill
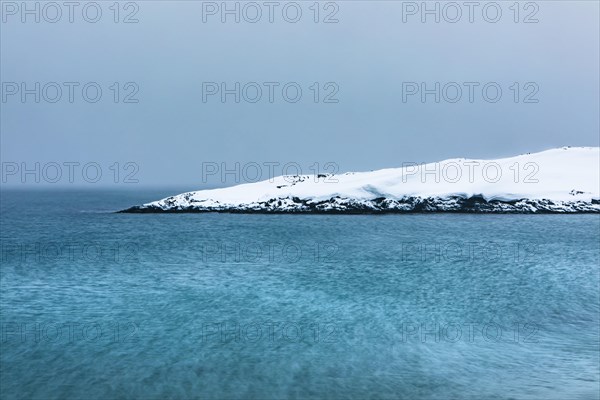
x=558 y=180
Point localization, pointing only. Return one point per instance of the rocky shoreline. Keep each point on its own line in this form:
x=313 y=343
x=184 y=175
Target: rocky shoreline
x=408 y=205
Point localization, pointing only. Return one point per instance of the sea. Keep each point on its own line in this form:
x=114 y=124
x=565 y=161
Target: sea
x=100 y=305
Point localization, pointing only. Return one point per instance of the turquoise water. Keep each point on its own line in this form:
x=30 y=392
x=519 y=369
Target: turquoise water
x=102 y=305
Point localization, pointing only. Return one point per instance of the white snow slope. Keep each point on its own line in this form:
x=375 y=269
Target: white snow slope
x=559 y=177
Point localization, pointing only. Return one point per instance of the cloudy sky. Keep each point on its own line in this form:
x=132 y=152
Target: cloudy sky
x=359 y=84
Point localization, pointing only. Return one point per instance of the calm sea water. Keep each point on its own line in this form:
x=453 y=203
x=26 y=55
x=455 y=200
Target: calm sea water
x=101 y=305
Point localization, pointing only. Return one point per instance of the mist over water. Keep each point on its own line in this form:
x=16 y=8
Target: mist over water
x=102 y=305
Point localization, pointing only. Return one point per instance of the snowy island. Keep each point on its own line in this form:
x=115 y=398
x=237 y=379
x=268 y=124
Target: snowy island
x=563 y=180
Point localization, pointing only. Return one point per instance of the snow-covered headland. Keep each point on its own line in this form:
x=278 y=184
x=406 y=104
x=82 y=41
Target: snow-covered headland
x=563 y=180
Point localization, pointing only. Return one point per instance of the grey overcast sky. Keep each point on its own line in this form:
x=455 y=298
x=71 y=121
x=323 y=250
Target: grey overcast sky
x=370 y=60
